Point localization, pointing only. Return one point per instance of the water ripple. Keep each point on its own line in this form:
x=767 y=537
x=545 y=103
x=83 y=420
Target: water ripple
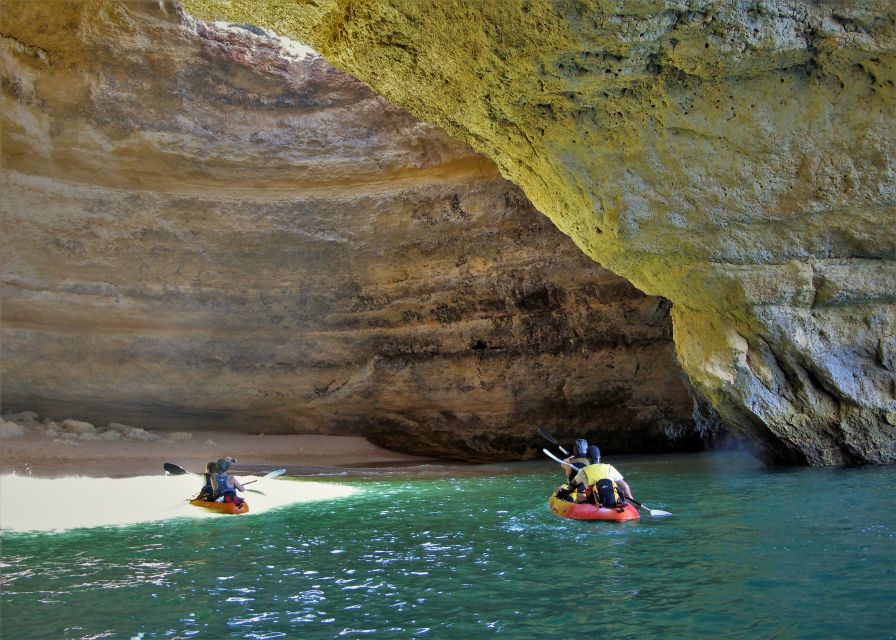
x=432 y=560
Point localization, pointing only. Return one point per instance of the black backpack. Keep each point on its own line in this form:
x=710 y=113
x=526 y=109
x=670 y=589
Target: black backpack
x=608 y=495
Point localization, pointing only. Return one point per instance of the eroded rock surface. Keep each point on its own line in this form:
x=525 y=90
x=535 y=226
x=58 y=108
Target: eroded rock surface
x=205 y=228
x=737 y=158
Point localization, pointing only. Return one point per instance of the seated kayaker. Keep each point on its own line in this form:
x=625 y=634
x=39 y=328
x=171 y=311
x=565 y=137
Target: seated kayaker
x=600 y=484
x=224 y=485
x=207 y=492
x=579 y=458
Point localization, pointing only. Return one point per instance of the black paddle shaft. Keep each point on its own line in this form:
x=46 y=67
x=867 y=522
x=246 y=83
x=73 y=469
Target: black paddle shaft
x=550 y=438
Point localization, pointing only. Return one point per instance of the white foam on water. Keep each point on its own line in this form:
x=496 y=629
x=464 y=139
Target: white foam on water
x=40 y=504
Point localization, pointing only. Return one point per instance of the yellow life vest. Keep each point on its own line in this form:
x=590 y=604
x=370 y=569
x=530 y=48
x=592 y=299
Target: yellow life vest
x=576 y=462
x=567 y=491
x=595 y=472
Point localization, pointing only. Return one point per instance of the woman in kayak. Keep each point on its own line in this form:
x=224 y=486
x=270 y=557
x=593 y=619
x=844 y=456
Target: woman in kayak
x=207 y=493
x=570 y=466
x=224 y=485
x=593 y=477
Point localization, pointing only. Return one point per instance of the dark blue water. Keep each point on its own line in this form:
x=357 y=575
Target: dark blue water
x=750 y=553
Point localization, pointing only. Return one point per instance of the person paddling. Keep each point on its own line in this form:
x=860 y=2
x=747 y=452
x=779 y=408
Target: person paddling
x=207 y=493
x=604 y=481
x=579 y=458
x=224 y=485
x=570 y=466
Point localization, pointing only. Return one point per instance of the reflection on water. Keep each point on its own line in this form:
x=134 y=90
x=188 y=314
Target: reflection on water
x=750 y=553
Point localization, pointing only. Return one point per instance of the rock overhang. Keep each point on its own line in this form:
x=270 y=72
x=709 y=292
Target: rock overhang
x=204 y=228
x=735 y=158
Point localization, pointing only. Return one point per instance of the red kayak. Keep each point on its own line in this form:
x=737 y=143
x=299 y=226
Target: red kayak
x=587 y=511
x=222 y=507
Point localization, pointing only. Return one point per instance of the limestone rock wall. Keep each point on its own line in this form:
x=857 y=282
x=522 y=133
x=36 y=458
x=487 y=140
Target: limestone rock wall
x=204 y=228
x=738 y=158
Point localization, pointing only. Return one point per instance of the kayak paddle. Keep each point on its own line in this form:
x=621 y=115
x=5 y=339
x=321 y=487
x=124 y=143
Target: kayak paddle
x=174 y=470
x=653 y=512
x=272 y=474
x=553 y=457
x=547 y=436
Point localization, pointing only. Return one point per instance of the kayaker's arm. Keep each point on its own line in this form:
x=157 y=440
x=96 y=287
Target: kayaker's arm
x=567 y=467
x=624 y=486
x=237 y=484
x=580 y=483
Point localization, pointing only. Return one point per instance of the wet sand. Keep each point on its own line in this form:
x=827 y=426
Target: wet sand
x=42 y=457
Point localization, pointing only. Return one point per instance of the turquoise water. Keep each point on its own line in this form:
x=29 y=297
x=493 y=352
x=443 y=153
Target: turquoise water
x=750 y=553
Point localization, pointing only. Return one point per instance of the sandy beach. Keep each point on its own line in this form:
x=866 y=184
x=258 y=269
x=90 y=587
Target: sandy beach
x=106 y=465
x=37 y=455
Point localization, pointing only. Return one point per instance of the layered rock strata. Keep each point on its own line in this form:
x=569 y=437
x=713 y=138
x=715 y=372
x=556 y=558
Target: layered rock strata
x=205 y=227
x=736 y=158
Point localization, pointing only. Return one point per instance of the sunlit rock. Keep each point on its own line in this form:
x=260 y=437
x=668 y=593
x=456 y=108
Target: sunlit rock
x=25 y=417
x=205 y=227
x=11 y=430
x=77 y=427
x=736 y=158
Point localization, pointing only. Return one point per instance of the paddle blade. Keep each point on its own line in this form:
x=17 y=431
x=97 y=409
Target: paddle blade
x=550 y=438
x=174 y=470
x=270 y=474
x=656 y=513
x=547 y=436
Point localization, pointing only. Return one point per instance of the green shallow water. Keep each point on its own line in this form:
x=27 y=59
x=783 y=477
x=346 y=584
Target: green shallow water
x=750 y=553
